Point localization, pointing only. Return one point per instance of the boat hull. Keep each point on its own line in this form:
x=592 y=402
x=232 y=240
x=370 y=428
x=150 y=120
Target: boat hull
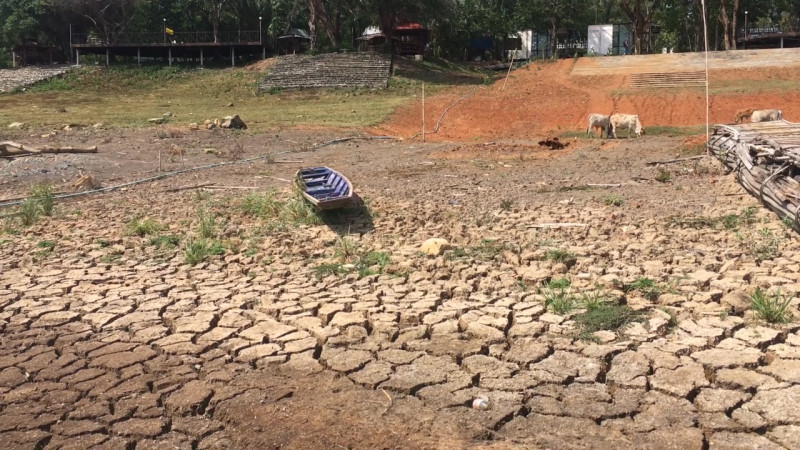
x=324 y=187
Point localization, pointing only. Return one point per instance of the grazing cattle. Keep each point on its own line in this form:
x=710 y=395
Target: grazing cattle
x=743 y=114
x=766 y=115
x=601 y=121
x=629 y=121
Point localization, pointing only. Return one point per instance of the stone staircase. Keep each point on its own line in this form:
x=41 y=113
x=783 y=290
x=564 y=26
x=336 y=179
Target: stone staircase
x=332 y=70
x=11 y=79
x=667 y=80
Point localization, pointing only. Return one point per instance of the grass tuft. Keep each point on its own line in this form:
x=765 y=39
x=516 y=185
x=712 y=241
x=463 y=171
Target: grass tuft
x=559 y=300
x=647 y=287
x=166 y=242
x=561 y=256
x=772 y=308
x=613 y=200
x=197 y=251
x=604 y=316
x=143 y=227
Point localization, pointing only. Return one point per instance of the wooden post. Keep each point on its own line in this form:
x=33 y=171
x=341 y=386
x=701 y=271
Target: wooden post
x=77 y=57
x=139 y=56
x=423 y=112
x=233 y=56
x=169 y=55
x=108 y=57
x=159 y=159
x=201 y=56
x=13 y=58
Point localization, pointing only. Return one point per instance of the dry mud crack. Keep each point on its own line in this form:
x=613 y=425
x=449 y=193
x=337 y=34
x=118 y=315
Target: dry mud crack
x=111 y=342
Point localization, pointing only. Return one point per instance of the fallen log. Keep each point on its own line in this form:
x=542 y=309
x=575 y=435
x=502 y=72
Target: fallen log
x=10 y=148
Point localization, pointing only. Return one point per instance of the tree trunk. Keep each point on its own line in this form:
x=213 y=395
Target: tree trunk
x=553 y=40
x=640 y=18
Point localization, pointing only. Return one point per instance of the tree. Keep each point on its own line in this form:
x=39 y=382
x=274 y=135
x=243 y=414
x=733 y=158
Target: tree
x=728 y=22
x=553 y=15
x=109 y=17
x=640 y=13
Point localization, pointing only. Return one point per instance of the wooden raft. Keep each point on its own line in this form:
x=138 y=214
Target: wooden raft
x=765 y=157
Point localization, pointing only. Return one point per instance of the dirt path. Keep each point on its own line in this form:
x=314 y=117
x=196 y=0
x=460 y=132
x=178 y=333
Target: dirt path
x=110 y=340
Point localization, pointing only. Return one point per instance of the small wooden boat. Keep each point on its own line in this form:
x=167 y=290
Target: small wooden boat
x=324 y=188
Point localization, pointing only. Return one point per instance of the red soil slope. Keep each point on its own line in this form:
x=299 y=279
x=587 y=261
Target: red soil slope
x=543 y=98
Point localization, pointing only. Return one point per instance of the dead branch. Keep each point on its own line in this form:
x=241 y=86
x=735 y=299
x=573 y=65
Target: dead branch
x=184 y=188
x=10 y=148
x=558 y=225
x=671 y=161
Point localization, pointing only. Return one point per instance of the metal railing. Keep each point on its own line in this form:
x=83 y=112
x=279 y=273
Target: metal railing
x=181 y=37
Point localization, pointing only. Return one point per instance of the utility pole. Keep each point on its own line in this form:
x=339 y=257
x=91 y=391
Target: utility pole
x=745 y=29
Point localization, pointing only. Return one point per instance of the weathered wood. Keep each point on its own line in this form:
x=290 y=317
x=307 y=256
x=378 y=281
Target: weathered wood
x=763 y=163
x=22 y=149
x=671 y=161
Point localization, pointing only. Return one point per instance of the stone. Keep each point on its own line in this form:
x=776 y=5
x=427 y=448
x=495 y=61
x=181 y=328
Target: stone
x=534 y=275
x=681 y=381
x=563 y=365
x=486 y=334
x=737 y=302
x=116 y=361
x=486 y=366
x=233 y=122
x=191 y=399
x=373 y=374
x=629 y=369
x=345 y=319
x=256 y=352
x=788 y=435
x=54 y=319
x=77 y=427
x=662 y=411
x=671 y=438
x=724 y=358
x=435 y=246
x=550 y=431
x=719 y=400
x=426 y=371
x=778 y=406
x=143 y=428
x=757 y=336
x=348 y=361
x=784 y=369
x=526 y=351
x=743 y=379
x=740 y=441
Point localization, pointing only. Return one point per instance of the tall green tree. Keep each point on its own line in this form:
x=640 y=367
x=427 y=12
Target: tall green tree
x=640 y=13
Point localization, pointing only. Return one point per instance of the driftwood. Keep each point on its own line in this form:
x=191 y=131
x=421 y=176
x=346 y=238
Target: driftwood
x=765 y=157
x=672 y=161
x=558 y=225
x=9 y=148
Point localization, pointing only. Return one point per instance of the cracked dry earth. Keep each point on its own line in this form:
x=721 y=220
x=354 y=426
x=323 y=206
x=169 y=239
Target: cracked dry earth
x=110 y=342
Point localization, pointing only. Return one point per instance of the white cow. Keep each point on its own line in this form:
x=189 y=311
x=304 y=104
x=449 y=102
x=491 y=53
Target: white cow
x=766 y=115
x=601 y=121
x=629 y=121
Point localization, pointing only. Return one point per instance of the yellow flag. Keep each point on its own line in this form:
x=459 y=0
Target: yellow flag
x=169 y=31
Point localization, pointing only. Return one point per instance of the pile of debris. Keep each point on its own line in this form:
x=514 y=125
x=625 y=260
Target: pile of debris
x=765 y=156
x=232 y=122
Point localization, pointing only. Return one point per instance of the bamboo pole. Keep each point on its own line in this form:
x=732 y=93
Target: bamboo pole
x=423 y=111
